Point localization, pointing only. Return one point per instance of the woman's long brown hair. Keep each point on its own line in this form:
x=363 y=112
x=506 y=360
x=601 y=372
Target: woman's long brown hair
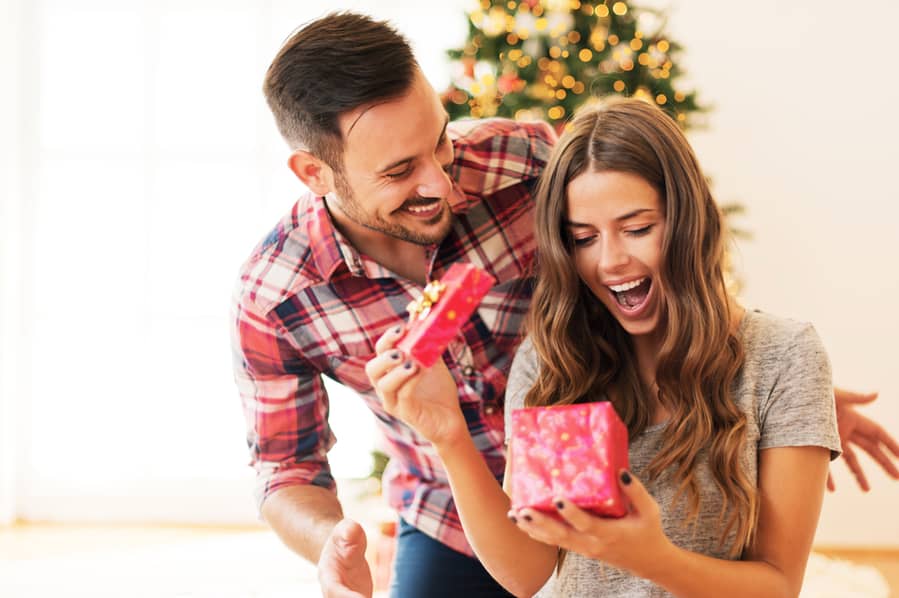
x=585 y=355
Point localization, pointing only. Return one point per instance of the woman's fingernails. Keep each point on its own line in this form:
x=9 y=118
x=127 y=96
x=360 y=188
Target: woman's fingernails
x=513 y=519
x=397 y=329
x=407 y=365
x=560 y=505
x=527 y=518
x=395 y=355
x=625 y=478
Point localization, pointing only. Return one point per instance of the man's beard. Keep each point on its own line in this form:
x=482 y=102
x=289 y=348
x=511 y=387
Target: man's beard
x=351 y=208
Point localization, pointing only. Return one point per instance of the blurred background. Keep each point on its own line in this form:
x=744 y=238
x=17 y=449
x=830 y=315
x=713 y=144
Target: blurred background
x=139 y=166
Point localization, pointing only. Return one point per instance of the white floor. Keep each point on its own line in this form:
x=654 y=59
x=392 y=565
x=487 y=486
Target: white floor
x=246 y=564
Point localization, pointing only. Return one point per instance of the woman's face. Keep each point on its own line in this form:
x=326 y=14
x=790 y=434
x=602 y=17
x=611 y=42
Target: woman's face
x=617 y=222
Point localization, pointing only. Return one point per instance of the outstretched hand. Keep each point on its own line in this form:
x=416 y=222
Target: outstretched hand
x=425 y=399
x=856 y=430
x=635 y=542
x=343 y=571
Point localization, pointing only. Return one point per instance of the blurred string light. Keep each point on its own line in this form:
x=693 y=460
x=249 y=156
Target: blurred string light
x=543 y=59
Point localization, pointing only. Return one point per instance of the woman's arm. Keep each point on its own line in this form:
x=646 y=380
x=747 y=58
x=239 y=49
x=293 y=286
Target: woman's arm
x=428 y=401
x=521 y=564
x=791 y=490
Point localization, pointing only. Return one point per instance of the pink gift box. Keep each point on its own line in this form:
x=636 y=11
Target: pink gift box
x=569 y=451
x=445 y=305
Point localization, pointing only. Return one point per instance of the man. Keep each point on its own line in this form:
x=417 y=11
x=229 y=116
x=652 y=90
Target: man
x=396 y=196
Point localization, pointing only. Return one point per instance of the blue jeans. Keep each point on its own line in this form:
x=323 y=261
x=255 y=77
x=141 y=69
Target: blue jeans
x=425 y=568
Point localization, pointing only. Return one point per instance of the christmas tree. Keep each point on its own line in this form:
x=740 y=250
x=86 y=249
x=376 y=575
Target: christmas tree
x=542 y=59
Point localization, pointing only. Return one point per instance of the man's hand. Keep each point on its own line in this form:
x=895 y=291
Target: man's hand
x=342 y=569
x=857 y=430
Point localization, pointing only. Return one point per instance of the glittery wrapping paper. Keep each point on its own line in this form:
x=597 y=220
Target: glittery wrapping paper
x=428 y=335
x=570 y=451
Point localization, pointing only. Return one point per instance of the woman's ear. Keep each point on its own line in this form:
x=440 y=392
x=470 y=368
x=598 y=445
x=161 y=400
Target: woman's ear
x=314 y=173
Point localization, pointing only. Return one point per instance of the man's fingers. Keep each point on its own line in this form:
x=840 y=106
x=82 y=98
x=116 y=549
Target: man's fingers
x=876 y=453
x=884 y=437
x=849 y=397
x=855 y=468
x=389 y=339
x=351 y=538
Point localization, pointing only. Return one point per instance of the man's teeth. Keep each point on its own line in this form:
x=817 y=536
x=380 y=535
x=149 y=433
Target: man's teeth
x=419 y=209
x=626 y=286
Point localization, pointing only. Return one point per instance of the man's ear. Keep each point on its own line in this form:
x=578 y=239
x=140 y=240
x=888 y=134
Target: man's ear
x=314 y=173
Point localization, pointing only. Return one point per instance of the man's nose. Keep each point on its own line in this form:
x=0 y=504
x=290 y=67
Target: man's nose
x=435 y=181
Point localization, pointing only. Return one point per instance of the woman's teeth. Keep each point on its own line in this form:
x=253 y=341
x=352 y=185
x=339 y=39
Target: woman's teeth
x=626 y=286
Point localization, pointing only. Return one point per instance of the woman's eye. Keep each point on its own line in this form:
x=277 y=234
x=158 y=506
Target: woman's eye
x=584 y=241
x=639 y=232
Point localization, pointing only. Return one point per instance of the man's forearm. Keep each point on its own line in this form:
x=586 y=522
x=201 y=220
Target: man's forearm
x=303 y=517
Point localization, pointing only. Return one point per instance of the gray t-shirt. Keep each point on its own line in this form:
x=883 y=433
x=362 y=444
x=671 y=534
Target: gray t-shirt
x=785 y=390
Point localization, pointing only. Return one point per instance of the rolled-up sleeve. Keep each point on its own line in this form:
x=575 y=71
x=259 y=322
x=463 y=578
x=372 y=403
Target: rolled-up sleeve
x=285 y=406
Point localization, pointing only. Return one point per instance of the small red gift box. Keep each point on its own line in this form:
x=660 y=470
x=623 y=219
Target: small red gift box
x=569 y=451
x=436 y=317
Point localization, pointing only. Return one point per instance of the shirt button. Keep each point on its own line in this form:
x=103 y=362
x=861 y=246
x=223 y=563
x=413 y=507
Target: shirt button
x=489 y=410
x=468 y=370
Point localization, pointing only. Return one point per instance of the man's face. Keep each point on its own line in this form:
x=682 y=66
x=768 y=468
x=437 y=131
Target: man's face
x=396 y=157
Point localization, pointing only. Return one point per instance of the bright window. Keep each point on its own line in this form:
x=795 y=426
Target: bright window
x=151 y=168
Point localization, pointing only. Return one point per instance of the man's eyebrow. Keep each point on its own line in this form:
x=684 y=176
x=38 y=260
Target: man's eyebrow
x=622 y=218
x=408 y=159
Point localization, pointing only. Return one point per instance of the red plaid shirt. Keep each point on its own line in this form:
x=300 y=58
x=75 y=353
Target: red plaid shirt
x=308 y=304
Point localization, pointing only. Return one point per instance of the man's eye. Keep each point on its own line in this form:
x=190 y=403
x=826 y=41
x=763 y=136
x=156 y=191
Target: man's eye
x=401 y=174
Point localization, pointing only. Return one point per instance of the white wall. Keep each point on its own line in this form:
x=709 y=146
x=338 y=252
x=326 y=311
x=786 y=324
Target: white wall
x=804 y=134
x=10 y=255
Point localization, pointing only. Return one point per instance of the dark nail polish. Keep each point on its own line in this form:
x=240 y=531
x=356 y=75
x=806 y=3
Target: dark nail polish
x=407 y=365
x=560 y=505
x=527 y=518
x=625 y=478
x=395 y=355
x=397 y=330
x=513 y=519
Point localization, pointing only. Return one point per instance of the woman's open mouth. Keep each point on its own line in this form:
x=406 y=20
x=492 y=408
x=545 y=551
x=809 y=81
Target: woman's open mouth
x=632 y=296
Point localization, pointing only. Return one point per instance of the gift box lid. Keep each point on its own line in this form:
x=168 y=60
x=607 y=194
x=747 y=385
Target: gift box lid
x=443 y=307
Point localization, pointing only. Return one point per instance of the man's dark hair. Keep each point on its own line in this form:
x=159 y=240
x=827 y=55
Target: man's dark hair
x=330 y=66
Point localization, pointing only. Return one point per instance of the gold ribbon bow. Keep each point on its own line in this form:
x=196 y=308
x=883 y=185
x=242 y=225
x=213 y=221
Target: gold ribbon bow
x=421 y=307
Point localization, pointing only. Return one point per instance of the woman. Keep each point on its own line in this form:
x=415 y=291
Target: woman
x=730 y=413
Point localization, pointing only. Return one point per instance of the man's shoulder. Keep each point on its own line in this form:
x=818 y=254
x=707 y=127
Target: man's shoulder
x=495 y=153
x=475 y=132
x=282 y=262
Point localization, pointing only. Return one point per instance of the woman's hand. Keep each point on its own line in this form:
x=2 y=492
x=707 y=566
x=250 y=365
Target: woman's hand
x=635 y=542
x=426 y=400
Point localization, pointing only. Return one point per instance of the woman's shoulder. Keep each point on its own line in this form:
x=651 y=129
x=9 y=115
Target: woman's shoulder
x=768 y=336
x=522 y=375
